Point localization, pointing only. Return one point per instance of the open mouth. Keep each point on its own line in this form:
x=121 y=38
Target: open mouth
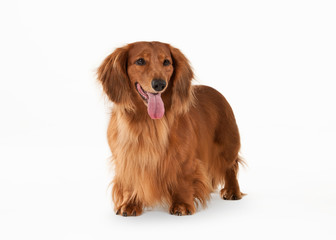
x=155 y=105
x=142 y=92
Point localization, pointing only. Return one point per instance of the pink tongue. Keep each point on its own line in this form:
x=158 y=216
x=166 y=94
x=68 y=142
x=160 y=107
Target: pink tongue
x=155 y=106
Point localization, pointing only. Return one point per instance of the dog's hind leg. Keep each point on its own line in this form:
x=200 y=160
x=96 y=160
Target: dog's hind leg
x=231 y=190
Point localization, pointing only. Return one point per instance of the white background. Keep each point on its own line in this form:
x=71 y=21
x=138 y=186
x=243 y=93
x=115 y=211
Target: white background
x=275 y=61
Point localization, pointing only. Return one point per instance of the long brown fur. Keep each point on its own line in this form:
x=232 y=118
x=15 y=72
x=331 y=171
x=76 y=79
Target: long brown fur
x=177 y=160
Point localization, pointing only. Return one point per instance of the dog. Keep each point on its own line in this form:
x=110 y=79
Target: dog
x=172 y=143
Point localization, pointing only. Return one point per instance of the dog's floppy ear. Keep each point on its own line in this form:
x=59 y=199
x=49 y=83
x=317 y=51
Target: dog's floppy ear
x=181 y=78
x=112 y=74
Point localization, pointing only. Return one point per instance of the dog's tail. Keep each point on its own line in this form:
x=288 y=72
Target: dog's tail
x=242 y=161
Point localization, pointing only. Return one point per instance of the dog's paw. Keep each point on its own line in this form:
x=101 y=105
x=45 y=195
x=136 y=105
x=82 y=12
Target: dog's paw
x=129 y=210
x=227 y=194
x=180 y=209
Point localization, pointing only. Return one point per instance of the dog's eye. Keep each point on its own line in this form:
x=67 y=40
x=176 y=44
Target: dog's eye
x=140 y=62
x=166 y=62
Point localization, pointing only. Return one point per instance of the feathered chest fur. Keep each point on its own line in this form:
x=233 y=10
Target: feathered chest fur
x=141 y=156
x=138 y=144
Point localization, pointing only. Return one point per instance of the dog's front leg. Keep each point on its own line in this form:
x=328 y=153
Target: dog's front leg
x=125 y=203
x=182 y=199
x=129 y=209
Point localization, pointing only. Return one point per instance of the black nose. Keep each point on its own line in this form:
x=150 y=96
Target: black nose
x=158 y=84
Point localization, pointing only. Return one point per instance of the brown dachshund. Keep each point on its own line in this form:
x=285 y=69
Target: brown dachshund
x=172 y=143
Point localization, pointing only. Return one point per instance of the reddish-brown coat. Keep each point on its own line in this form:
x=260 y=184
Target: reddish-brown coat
x=177 y=160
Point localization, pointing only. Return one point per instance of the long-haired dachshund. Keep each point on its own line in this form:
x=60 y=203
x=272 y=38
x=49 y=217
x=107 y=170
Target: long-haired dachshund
x=172 y=143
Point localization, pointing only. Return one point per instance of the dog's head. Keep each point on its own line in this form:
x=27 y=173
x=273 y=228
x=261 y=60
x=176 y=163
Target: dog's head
x=154 y=73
